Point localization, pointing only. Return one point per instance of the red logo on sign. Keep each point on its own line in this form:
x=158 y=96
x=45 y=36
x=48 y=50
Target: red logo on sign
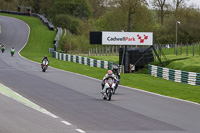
x=129 y=39
x=142 y=40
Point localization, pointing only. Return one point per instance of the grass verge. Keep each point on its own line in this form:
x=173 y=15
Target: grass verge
x=41 y=39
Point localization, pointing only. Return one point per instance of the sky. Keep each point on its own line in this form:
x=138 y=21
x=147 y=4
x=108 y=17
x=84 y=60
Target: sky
x=188 y=2
x=195 y=2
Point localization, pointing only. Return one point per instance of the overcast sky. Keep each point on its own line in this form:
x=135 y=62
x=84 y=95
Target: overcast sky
x=195 y=2
x=188 y=2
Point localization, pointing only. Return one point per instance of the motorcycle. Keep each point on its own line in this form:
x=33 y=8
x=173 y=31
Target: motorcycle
x=2 y=50
x=116 y=85
x=12 y=52
x=109 y=87
x=44 y=65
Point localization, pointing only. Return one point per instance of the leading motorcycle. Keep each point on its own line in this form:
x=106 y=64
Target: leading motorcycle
x=44 y=65
x=109 y=88
x=12 y=51
x=2 y=49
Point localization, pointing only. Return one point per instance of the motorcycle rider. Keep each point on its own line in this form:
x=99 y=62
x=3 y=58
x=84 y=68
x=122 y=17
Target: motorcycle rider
x=45 y=58
x=107 y=76
x=12 y=50
x=2 y=48
x=117 y=74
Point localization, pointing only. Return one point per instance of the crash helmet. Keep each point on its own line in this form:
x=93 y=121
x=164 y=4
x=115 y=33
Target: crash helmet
x=115 y=69
x=45 y=57
x=110 y=72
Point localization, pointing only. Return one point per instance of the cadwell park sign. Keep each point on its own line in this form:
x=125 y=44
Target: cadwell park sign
x=121 y=38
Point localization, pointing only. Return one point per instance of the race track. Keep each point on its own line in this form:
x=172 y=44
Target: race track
x=77 y=99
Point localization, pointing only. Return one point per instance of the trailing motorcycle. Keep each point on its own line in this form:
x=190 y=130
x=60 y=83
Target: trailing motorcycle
x=109 y=88
x=2 y=49
x=116 y=85
x=12 y=51
x=44 y=65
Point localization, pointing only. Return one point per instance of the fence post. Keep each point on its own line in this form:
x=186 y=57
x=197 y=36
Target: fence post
x=187 y=49
x=96 y=51
x=199 y=49
x=106 y=51
x=159 y=48
x=109 y=50
x=112 y=50
x=174 y=48
x=100 y=52
x=181 y=49
x=193 y=48
x=116 y=50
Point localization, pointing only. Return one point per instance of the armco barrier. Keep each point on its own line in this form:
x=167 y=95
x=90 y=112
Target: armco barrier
x=83 y=60
x=174 y=75
x=59 y=33
x=44 y=20
x=57 y=38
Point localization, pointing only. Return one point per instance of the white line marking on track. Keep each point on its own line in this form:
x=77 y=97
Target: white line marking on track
x=80 y=130
x=26 y=101
x=66 y=123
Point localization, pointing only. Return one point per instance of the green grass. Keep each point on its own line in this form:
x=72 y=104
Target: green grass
x=114 y=59
x=41 y=39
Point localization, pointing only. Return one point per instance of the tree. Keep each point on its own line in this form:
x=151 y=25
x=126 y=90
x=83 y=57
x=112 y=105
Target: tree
x=188 y=30
x=178 y=3
x=8 y=5
x=76 y=8
x=130 y=6
x=119 y=17
x=163 y=8
x=98 y=8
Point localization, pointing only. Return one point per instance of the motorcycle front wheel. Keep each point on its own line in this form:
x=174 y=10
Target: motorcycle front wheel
x=109 y=94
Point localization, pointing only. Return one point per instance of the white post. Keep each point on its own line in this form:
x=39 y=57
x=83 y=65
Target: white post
x=177 y=22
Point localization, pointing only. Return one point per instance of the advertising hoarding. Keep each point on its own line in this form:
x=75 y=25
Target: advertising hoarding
x=127 y=38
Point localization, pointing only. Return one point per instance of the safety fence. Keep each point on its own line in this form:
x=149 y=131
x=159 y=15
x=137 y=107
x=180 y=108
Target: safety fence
x=44 y=20
x=83 y=60
x=59 y=33
x=174 y=75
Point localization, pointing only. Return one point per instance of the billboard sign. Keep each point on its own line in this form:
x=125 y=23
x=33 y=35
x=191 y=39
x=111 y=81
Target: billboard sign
x=127 y=38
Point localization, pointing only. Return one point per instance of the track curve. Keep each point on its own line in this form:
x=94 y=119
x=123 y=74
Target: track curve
x=77 y=98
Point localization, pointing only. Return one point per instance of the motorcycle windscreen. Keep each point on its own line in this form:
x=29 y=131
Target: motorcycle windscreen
x=45 y=62
x=110 y=80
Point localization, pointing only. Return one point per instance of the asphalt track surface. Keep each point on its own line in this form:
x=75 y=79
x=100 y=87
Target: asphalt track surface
x=77 y=99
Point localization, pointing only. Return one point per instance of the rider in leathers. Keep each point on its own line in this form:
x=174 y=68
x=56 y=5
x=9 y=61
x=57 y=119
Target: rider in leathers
x=107 y=76
x=117 y=74
x=45 y=58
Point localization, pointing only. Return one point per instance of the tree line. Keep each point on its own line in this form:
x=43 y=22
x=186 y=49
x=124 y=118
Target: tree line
x=80 y=17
